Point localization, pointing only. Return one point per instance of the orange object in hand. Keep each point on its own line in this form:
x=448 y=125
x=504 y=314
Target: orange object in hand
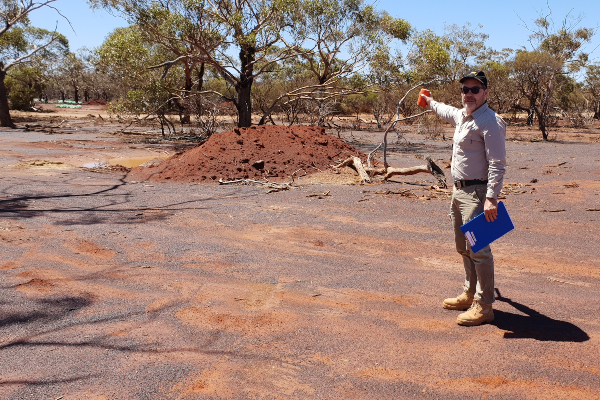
x=421 y=102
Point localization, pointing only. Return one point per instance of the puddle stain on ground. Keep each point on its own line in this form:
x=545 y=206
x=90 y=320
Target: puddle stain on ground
x=130 y=162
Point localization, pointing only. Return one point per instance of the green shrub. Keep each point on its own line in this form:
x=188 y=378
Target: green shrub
x=23 y=84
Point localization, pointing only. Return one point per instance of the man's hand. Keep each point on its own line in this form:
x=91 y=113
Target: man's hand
x=490 y=208
x=428 y=99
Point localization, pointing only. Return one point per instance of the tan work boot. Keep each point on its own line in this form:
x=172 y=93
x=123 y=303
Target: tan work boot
x=462 y=302
x=478 y=314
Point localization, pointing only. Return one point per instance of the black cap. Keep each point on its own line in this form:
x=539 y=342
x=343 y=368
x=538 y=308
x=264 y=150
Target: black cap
x=477 y=75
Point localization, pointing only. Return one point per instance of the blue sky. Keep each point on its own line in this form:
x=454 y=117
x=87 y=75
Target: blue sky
x=500 y=20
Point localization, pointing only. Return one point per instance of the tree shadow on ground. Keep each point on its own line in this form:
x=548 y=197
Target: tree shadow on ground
x=51 y=309
x=113 y=206
x=20 y=206
x=53 y=320
x=535 y=325
x=43 y=382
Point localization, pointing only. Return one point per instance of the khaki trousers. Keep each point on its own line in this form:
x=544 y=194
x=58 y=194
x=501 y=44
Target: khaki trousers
x=467 y=203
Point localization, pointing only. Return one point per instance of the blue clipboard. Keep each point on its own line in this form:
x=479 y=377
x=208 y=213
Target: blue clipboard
x=480 y=233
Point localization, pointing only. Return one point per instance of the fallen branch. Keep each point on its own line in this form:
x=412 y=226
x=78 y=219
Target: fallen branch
x=356 y=164
x=556 y=165
x=320 y=196
x=255 y=182
x=44 y=128
x=314 y=166
x=275 y=187
x=405 y=192
x=366 y=173
x=406 y=171
x=292 y=182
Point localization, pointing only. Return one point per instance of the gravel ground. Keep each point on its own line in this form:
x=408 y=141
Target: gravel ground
x=115 y=289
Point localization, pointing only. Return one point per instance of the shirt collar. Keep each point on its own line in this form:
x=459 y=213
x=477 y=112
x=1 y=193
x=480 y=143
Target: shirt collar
x=479 y=112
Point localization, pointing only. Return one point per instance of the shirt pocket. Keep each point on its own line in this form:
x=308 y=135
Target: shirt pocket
x=472 y=141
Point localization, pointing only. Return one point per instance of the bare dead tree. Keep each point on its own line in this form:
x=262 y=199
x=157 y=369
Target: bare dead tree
x=319 y=93
x=366 y=173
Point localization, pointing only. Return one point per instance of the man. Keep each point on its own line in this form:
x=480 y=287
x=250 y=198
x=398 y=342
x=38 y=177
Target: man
x=478 y=164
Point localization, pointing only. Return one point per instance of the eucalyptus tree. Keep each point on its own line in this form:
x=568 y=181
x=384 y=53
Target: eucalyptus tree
x=504 y=94
x=339 y=37
x=24 y=83
x=183 y=32
x=592 y=84
x=557 y=51
x=533 y=73
x=71 y=72
x=19 y=42
x=236 y=38
x=466 y=48
x=124 y=58
x=243 y=40
x=428 y=57
x=333 y=40
x=446 y=57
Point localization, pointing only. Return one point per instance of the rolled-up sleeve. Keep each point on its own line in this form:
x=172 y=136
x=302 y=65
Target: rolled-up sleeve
x=494 y=136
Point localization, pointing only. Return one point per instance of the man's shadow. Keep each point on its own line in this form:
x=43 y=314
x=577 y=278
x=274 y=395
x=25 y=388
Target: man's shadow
x=535 y=325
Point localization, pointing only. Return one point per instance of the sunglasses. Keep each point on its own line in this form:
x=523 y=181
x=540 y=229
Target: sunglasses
x=474 y=89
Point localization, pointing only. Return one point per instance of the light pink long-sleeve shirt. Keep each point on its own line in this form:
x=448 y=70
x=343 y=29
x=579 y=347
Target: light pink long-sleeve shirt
x=479 y=151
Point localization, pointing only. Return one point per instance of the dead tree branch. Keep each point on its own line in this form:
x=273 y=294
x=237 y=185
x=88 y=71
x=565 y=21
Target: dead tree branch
x=356 y=164
x=398 y=119
x=366 y=173
x=371 y=155
x=275 y=187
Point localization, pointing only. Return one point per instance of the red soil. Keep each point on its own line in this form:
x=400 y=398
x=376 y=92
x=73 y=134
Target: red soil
x=96 y=103
x=236 y=154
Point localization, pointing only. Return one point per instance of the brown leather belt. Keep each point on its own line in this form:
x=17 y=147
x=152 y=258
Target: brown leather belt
x=461 y=184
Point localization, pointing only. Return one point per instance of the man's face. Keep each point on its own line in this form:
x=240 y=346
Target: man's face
x=473 y=101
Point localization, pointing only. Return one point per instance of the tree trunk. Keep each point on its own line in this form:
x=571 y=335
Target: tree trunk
x=542 y=123
x=597 y=111
x=263 y=119
x=76 y=94
x=186 y=117
x=544 y=116
x=201 y=77
x=544 y=129
x=244 y=86
x=5 y=120
x=530 y=116
x=244 y=106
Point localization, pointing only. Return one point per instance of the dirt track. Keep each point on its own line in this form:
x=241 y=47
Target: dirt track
x=113 y=289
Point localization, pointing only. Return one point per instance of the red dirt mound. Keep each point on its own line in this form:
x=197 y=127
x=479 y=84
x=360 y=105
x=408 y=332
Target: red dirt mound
x=251 y=153
x=96 y=103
